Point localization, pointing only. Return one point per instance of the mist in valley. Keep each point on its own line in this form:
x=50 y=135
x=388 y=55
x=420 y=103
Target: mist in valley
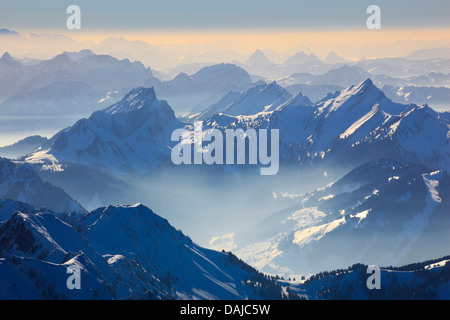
x=203 y=201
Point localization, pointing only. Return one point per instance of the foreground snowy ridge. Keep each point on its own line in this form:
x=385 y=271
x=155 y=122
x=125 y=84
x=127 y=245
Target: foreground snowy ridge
x=128 y=252
x=124 y=252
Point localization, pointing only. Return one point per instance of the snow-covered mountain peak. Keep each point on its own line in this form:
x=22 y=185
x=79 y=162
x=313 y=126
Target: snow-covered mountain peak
x=272 y=88
x=262 y=97
x=298 y=100
x=135 y=99
x=365 y=94
x=125 y=224
x=17 y=234
x=20 y=182
x=9 y=169
x=125 y=252
x=362 y=87
x=41 y=235
x=132 y=134
x=120 y=213
x=365 y=89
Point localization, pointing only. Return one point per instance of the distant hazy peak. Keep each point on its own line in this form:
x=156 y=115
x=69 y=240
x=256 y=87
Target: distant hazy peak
x=299 y=100
x=333 y=57
x=258 y=58
x=75 y=56
x=302 y=57
x=6 y=58
x=7 y=32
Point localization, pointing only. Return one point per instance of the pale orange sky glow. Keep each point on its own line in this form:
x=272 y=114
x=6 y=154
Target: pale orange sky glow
x=320 y=41
x=229 y=45
x=257 y=38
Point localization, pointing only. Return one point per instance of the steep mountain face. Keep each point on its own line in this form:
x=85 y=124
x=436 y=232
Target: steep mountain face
x=198 y=91
x=20 y=182
x=187 y=270
x=381 y=213
x=34 y=279
x=133 y=134
x=428 y=88
x=123 y=252
x=227 y=100
x=261 y=98
x=351 y=114
x=313 y=92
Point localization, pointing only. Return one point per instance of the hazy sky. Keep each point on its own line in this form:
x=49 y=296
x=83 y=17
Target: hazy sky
x=238 y=25
x=163 y=15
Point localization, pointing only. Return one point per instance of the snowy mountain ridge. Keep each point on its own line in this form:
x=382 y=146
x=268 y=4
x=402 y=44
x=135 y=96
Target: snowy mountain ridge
x=260 y=98
x=351 y=127
x=354 y=126
x=71 y=83
x=122 y=253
